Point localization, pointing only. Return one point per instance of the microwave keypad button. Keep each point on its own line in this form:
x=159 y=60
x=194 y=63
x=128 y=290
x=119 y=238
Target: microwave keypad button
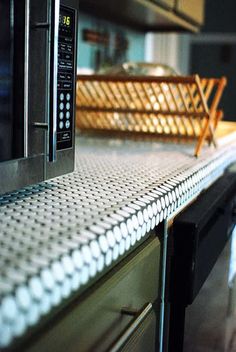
x=61 y=106
x=68 y=39
x=67 y=106
x=68 y=114
x=61 y=115
x=67 y=124
x=62 y=76
x=69 y=48
x=62 y=96
x=62 y=46
x=67 y=85
x=68 y=96
x=61 y=125
x=62 y=64
x=68 y=57
x=68 y=64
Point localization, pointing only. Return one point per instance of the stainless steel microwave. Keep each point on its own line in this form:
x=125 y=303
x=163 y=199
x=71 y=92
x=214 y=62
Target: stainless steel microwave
x=37 y=90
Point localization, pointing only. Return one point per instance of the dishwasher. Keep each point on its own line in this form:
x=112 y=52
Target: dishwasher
x=198 y=262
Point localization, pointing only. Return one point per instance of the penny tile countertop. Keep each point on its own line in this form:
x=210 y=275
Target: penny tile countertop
x=58 y=236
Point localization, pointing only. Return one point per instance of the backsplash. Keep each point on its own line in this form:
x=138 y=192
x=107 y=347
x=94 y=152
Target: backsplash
x=102 y=44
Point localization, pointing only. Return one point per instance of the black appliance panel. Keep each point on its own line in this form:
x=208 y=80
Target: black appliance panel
x=199 y=235
x=66 y=83
x=197 y=239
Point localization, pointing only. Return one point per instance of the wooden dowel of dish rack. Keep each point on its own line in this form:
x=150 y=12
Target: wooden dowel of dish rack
x=203 y=136
x=154 y=87
x=219 y=117
x=219 y=91
x=131 y=101
x=118 y=78
x=209 y=88
x=93 y=96
x=180 y=88
x=135 y=122
x=111 y=86
x=144 y=112
x=137 y=91
x=148 y=117
x=124 y=97
x=198 y=102
x=193 y=103
x=178 y=113
x=203 y=84
x=105 y=92
x=213 y=109
x=81 y=94
x=169 y=108
x=140 y=111
x=100 y=93
x=85 y=91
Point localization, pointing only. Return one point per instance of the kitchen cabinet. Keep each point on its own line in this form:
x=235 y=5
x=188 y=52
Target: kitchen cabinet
x=117 y=312
x=145 y=15
x=192 y=10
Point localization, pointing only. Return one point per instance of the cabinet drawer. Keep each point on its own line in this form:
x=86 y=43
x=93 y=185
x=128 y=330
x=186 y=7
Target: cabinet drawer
x=192 y=9
x=95 y=321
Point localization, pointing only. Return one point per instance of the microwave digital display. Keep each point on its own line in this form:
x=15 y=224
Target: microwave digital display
x=65 y=20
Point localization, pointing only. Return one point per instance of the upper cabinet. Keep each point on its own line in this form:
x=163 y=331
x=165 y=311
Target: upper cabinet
x=193 y=10
x=149 y=15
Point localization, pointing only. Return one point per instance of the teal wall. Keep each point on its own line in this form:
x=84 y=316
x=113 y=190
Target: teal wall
x=87 y=51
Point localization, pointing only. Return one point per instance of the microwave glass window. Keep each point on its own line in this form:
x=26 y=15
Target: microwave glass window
x=11 y=79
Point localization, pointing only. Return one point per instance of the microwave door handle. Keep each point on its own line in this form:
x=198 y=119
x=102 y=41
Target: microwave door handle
x=26 y=81
x=53 y=69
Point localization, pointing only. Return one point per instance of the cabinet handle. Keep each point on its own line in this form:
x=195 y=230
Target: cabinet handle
x=132 y=327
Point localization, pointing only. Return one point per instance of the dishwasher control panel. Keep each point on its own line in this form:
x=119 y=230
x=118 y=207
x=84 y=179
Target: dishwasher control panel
x=66 y=78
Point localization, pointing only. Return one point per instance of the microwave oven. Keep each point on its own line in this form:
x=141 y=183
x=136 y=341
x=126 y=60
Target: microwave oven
x=38 y=46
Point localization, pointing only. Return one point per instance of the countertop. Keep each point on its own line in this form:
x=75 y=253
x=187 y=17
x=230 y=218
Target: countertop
x=59 y=236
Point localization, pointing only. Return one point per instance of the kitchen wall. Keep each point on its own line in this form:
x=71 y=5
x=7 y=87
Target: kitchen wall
x=212 y=53
x=109 y=44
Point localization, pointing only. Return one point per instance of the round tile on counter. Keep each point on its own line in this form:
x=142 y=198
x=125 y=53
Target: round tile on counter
x=8 y=309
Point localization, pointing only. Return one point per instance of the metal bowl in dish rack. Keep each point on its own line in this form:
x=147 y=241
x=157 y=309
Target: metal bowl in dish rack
x=140 y=68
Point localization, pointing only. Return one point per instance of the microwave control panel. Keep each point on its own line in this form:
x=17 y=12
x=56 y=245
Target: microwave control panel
x=66 y=77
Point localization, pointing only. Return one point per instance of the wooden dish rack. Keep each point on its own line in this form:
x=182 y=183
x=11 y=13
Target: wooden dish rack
x=175 y=106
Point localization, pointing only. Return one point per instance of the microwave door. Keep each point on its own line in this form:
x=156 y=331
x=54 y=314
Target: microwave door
x=11 y=80
x=21 y=160
x=37 y=90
